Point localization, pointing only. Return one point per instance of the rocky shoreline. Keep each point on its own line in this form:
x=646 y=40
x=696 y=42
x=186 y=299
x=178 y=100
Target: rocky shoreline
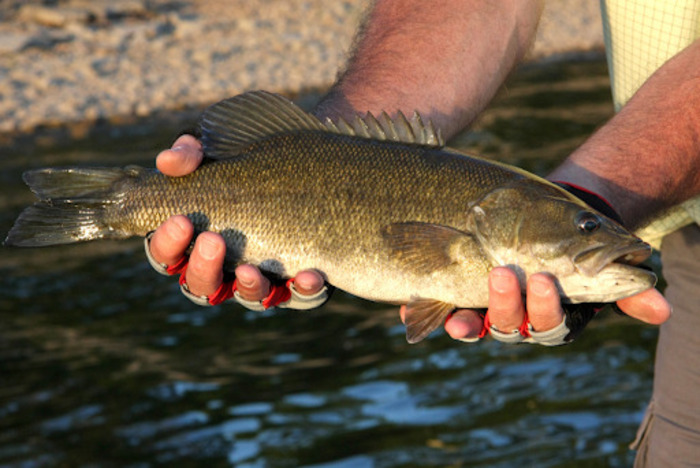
x=69 y=66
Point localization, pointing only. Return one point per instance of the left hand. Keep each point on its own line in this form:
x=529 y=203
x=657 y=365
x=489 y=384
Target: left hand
x=204 y=272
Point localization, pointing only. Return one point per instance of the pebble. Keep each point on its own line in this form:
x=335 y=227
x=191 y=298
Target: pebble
x=72 y=62
x=53 y=17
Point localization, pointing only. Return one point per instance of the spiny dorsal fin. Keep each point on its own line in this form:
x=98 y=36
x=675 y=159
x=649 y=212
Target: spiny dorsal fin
x=231 y=125
x=399 y=129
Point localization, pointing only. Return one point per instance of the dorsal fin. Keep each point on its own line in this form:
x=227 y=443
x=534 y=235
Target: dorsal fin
x=231 y=125
x=399 y=129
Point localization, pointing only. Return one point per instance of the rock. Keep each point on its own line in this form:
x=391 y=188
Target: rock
x=54 y=16
x=185 y=25
x=13 y=41
x=110 y=10
x=83 y=12
x=47 y=39
x=124 y=9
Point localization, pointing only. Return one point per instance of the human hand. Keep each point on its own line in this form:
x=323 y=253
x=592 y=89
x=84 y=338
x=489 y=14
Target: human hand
x=544 y=310
x=204 y=274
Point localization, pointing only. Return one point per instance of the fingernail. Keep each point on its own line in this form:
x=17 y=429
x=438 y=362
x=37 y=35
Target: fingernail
x=246 y=282
x=177 y=148
x=307 y=283
x=539 y=287
x=501 y=281
x=208 y=249
x=179 y=224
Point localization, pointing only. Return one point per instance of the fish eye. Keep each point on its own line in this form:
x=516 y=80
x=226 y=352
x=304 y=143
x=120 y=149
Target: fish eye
x=587 y=222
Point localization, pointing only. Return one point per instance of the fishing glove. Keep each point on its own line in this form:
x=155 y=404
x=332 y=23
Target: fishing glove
x=576 y=317
x=281 y=295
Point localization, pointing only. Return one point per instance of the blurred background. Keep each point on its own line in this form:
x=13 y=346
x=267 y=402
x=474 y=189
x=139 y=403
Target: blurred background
x=104 y=363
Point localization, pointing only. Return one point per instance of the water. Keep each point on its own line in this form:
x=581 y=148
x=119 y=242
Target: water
x=103 y=363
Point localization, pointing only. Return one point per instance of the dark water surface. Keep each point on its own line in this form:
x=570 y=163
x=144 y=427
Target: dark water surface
x=104 y=363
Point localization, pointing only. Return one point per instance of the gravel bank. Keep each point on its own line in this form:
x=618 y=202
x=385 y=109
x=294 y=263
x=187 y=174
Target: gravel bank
x=71 y=64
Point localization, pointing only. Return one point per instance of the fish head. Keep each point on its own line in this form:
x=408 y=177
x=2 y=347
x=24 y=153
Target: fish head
x=533 y=226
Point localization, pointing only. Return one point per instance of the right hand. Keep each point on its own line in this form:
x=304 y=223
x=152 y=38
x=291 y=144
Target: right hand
x=507 y=307
x=204 y=272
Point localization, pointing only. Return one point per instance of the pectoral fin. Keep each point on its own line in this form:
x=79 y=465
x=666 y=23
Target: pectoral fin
x=423 y=316
x=423 y=247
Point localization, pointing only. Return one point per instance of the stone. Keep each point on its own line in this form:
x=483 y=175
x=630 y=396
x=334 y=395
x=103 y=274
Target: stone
x=110 y=10
x=13 y=42
x=56 y=17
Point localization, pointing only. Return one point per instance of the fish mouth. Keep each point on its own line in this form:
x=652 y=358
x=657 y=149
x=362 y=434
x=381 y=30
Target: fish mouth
x=591 y=261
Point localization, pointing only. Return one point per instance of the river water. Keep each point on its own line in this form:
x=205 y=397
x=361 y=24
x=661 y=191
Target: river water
x=104 y=363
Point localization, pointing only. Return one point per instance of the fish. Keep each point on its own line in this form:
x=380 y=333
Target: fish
x=378 y=205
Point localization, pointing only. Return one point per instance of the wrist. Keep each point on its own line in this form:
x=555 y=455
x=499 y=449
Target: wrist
x=334 y=105
x=592 y=199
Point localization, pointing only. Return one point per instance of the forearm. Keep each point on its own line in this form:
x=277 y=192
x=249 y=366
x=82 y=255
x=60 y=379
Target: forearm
x=647 y=157
x=444 y=59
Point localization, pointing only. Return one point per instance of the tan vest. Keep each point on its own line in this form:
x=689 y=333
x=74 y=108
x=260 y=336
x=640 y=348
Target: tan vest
x=640 y=36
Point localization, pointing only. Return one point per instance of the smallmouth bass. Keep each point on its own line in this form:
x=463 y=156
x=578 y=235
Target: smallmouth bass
x=379 y=206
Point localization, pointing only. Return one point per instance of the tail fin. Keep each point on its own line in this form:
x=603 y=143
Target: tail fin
x=72 y=207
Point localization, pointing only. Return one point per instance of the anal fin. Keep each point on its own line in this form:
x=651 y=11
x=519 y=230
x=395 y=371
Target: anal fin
x=423 y=316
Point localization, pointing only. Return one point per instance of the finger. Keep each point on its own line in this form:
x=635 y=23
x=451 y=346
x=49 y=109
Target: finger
x=464 y=324
x=308 y=282
x=543 y=303
x=402 y=314
x=252 y=285
x=170 y=241
x=506 y=309
x=183 y=158
x=205 y=270
x=649 y=306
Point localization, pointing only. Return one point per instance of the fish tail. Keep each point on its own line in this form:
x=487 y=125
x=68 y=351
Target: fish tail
x=74 y=206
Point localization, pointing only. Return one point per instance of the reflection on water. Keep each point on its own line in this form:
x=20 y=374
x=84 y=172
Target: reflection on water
x=103 y=362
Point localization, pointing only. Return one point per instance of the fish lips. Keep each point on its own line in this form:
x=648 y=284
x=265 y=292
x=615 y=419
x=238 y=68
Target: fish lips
x=609 y=273
x=591 y=261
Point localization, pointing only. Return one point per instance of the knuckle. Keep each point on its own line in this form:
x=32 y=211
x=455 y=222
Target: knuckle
x=202 y=271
